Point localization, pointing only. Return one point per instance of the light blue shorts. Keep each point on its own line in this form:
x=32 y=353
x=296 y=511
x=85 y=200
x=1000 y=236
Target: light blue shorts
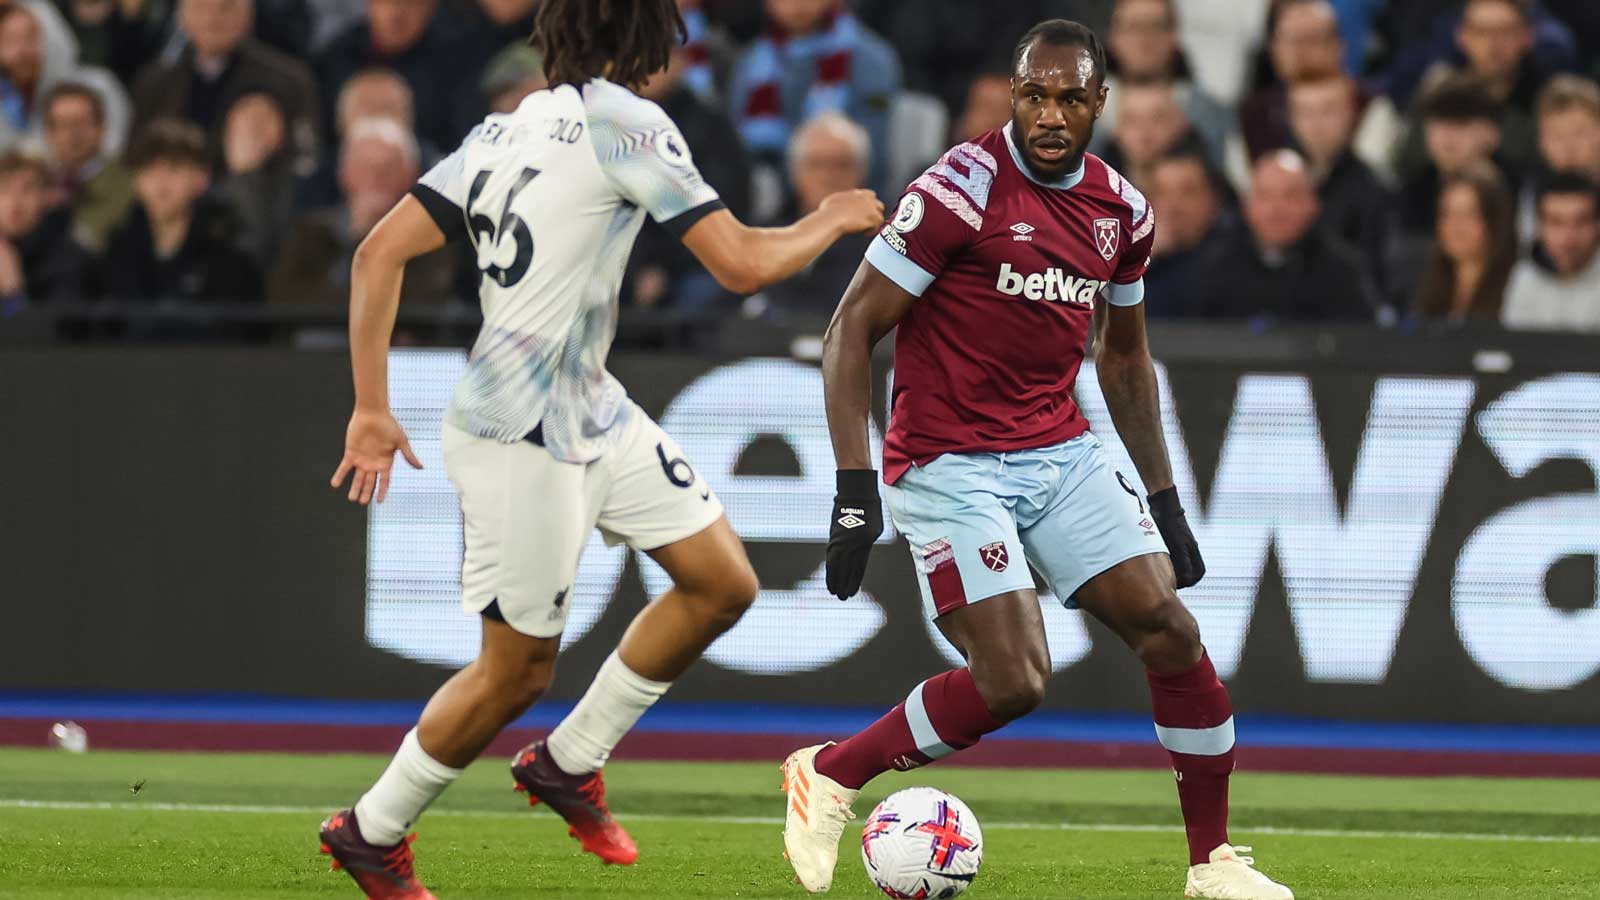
x=977 y=521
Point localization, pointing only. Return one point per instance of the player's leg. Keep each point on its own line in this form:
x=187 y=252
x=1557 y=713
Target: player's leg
x=655 y=500
x=975 y=582
x=1099 y=549
x=1193 y=715
x=1008 y=664
x=525 y=520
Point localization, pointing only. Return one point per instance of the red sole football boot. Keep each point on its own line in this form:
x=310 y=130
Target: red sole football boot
x=580 y=799
x=382 y=873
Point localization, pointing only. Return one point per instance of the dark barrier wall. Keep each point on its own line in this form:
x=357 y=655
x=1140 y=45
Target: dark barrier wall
x=1394 y=546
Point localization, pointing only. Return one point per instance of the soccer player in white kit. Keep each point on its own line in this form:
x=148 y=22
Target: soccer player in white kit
x=540 y=441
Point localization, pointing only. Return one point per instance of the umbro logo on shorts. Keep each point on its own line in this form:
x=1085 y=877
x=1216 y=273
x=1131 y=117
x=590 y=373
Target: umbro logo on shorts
x=852 y=518
x=995 y=556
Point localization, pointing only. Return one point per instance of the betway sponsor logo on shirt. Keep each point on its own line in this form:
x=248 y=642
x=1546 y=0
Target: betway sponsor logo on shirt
x=1051 y=284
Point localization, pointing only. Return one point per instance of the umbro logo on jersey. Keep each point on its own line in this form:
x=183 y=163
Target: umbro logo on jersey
x=1051 y=284
x=1024 y=231
x=852 y=518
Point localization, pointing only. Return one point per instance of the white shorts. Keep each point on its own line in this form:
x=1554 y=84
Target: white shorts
x=526 y=516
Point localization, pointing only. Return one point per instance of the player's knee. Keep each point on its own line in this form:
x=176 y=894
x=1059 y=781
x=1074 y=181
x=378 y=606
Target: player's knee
x=722 y=600
x=519 y=684
x=1168 y=638
x=1015 y=690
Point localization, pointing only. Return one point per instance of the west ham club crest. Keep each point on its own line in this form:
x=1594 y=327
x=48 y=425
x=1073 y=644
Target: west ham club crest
x=995 y=556
x=1106 y=236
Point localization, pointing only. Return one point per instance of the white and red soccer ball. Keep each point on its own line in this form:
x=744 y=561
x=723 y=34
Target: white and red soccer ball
x=922 y=843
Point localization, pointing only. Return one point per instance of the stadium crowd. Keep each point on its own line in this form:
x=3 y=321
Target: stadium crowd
x=1309 y=160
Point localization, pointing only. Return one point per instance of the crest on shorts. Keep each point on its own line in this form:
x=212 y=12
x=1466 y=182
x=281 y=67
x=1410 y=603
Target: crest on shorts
x=995 y=556
x=1107 y=233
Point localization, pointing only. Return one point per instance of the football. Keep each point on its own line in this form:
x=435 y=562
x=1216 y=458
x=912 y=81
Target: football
x=922 y=842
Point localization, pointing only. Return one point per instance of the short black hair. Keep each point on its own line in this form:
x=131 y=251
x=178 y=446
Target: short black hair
x=625 y=41
x=169 y=141
x=97 y=104
x=1063 y=33
x=1190 y=149
x=1569 y=183
x=1462 y=97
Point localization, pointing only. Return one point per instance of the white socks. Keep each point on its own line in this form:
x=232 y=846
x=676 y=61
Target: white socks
x=412 y=781
x=614 y=702
x=579 y=745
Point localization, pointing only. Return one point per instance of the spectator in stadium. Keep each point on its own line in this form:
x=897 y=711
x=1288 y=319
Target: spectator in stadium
x=39 y=261
x=1142 y=45
x=413 y=39
x=988 y=106
x=1569 y=126
x=35 y=56
x=1152 y=122
x=511 y=75
x=1474 y=248
x=1423 y=37
x=1220 y=41
x=1558 y=287
x=1494 y=41
x=498 y=24
x=1306 y=46
x=378 y=163
x=816 y=58
x=375 y=93
x=176 y=244
x=220 y=64
x=662 y=272
x=1356 y=205
x=118 y=35
x=830 y=153
x=257 y=181
x=942 y=44
x=1281 y=267
x=1192 y=198
x=96 y=188
x=1460 y=126
x=285 y=25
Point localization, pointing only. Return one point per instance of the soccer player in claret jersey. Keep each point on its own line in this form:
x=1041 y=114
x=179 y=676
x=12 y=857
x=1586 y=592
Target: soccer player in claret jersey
x=995 y=265
x=541 y=442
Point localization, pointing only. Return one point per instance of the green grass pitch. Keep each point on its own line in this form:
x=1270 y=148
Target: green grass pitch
x=236 y=826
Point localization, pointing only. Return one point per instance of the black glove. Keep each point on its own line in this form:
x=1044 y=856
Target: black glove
x=857 y=523
x=1187 y=565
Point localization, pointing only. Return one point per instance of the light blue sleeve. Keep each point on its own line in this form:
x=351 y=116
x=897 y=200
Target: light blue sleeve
x=1125 y=294
x=897 y=268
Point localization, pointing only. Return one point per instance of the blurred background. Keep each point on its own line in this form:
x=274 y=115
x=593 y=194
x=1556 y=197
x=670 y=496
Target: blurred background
x=1375 y=301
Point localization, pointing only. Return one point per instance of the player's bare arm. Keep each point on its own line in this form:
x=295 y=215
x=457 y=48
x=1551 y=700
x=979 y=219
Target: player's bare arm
x=745 y=259
x=1128 y=381
x=872 y=306
x=376 y=275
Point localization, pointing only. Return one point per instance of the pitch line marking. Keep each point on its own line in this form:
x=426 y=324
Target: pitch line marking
x=232 y=809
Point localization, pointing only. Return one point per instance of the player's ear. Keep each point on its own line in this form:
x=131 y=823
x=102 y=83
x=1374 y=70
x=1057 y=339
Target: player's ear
x=1100 y=101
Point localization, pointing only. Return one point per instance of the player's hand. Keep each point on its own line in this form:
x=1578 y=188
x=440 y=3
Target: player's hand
x=856 y=211
x=369 y=447
x=1187 y=566
x=857 y=523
